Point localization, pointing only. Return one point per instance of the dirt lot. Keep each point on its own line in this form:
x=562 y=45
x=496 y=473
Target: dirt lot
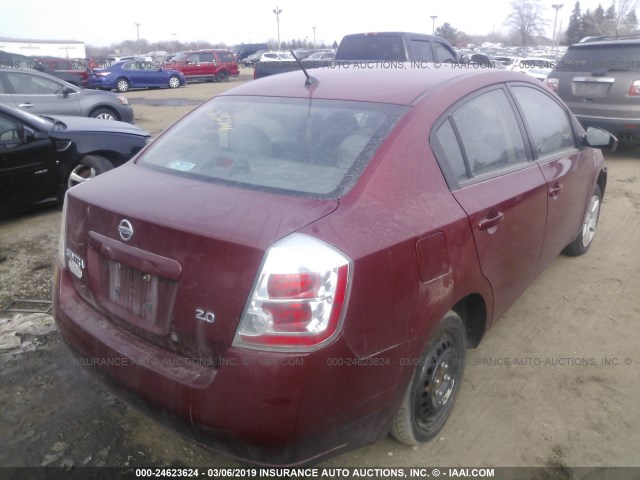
x=553 y=384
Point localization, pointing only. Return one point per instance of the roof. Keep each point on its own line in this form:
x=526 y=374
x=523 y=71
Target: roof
x=33 y=40
x=369 y=81
x=611 y=42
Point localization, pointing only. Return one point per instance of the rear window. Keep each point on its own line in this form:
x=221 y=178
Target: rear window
x=373 y=47
x=600 y=58
x=300 y=146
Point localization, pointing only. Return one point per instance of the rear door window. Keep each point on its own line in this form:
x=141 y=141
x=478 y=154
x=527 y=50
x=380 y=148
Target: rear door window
x=420 y=50
x=443 y=53
x=489 y=133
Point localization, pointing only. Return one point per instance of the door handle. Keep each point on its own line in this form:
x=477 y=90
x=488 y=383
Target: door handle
x=555 y=190
x=495 y=219
x=26 y=105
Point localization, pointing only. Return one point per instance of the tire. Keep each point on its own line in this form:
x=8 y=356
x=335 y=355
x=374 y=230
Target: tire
x=104 y=114
x=174 y=81
x=432 y=392
x=122 y=85
x=222 y=76
x=87 y=168
x=583 y=240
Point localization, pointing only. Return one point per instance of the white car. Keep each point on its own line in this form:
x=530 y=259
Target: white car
x=537 y=67
x=276 y=57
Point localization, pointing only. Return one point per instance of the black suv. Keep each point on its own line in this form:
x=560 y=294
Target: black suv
x=599 y=80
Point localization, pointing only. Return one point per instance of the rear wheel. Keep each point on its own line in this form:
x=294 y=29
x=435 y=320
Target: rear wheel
x=222 y=76
x=122 y=85
x=174 y=81
x=583 y=241
x=429 y=399
x=88 y=167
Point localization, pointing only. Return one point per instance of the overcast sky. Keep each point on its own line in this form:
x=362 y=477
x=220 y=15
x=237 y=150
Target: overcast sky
x=252 y=21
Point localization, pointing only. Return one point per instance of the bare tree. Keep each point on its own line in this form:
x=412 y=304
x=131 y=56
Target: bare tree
x=526 y=20
x=623 y=10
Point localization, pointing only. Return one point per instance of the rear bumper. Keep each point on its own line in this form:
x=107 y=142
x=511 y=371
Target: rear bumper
x=263 y=408
x=100 y=82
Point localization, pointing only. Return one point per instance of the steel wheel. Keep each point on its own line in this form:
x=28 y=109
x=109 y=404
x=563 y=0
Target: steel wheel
x=431 y=394
x=438 y=381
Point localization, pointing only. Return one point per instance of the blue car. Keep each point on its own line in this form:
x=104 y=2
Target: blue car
x=122 y=76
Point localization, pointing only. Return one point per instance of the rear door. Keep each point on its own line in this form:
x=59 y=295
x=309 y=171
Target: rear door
x=567 y=170
x=492 y=176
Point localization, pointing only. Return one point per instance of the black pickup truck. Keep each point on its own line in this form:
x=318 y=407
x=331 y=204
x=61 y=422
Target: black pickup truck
x=377 y=47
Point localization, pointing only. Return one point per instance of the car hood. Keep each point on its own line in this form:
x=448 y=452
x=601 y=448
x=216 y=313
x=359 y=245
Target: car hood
x=85 y=124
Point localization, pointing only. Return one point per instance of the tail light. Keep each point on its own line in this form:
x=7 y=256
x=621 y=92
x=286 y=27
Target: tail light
x=634 y=91
x=553 y=83
x=298 y=299
x=103 y=74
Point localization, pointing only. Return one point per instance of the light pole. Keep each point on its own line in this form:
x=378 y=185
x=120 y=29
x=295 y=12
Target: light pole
x=557 y=7
x=278 y=11
x=433 y=21
x=314 y=37
x=138 y=35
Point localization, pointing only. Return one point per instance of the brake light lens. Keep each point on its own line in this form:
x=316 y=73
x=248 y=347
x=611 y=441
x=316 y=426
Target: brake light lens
x=553 y=83
x=103 y=74
x=298 y=300
x=634 y=91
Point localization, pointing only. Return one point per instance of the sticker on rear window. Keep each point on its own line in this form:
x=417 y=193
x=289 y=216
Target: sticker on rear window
x=181 y=166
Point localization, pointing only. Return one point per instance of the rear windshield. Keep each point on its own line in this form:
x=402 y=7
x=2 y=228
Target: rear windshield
x=600 y=58
x=301 y=146
x=373 y=47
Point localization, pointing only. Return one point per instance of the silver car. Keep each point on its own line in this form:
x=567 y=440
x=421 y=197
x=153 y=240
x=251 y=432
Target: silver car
x=40 y=93
x=599 y=80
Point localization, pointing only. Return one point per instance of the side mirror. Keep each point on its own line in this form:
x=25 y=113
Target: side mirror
x=598 y=138
x=67 y=90
x=464 y=58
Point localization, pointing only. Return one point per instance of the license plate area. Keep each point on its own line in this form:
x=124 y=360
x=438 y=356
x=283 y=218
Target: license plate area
x=591 y=87
x=135 y=296
x=132 y=285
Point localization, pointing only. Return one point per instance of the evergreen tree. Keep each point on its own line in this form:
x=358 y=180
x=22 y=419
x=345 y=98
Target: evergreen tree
x=447 y=32
x=575 y=30
x=630 y=23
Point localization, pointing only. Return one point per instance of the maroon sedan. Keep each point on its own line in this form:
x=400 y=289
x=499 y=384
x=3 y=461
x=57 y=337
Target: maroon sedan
x=295 y=268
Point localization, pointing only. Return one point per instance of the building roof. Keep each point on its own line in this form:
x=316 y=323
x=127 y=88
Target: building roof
x=36 y=40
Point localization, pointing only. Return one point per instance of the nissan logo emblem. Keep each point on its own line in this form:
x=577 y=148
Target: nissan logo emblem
x=125 y=230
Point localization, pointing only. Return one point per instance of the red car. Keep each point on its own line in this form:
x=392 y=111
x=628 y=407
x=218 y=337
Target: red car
x=75 y=70
x=296 y=267
x=208 y=65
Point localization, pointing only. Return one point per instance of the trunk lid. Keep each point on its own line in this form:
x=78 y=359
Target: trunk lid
x=183 y=277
